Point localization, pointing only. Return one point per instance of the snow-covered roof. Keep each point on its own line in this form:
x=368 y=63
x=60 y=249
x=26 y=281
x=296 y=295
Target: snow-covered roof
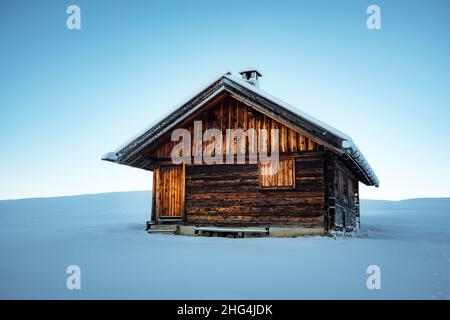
x=337 y=140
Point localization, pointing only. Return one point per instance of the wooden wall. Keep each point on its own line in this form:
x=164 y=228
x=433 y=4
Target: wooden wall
x=342 y=197
x=231 y=195
x=232 y=114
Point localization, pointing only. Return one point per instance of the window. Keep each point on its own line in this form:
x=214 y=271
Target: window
x=277 y=175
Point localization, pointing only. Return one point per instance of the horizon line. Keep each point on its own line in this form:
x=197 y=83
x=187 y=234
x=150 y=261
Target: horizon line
x=150 y=190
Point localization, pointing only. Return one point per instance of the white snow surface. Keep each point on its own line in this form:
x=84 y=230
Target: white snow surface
x=104 y=235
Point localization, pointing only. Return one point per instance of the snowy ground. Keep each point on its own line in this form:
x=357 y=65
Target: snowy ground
x=103 y=234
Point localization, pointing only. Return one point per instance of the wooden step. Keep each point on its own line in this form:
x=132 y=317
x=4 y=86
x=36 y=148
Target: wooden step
x=172 y=231
x=162 y=228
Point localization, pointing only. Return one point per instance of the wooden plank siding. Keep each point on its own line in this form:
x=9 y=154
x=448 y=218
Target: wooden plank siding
x=234 y=194
x=232 y=114
x=342 y=196
x=231 y=195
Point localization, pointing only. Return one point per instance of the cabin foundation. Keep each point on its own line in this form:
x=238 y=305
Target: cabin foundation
x=236 y=232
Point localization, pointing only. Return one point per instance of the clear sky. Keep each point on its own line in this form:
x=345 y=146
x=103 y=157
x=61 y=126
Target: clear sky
x=68 y=96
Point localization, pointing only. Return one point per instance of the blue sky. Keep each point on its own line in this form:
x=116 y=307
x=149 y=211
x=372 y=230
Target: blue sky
x=68 y=96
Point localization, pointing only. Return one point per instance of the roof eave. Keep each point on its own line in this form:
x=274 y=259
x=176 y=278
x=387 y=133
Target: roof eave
x=110 y=156
x=360 y=161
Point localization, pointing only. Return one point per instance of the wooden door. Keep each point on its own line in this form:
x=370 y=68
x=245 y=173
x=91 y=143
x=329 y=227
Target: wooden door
x=169 y=181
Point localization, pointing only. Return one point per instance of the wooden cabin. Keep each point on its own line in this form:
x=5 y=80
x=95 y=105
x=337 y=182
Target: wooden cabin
x=314 y=190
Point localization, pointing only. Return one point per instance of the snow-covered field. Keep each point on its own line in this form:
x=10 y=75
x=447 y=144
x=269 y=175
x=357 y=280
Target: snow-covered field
x=103 y=234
